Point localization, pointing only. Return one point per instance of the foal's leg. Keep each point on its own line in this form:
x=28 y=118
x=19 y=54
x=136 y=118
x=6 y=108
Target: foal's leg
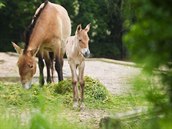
x=82 y=83
x=74 y=84
x=41 y=68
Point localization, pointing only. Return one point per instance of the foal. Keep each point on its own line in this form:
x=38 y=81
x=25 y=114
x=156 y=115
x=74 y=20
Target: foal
x=76 y=48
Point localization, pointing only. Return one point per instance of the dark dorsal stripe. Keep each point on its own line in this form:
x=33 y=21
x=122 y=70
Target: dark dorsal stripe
x=29 y=30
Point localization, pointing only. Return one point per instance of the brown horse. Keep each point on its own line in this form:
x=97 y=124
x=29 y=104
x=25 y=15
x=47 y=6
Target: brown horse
x=48 y=31
x=76 y=48
x=47 y=60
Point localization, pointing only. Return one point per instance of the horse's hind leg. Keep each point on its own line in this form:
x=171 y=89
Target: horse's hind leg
x=59 y=66
x=41 y=68
x=58 y=55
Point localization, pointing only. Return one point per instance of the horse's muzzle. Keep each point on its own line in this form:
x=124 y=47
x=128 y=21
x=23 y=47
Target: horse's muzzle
x=27 y=85
x=86 y=52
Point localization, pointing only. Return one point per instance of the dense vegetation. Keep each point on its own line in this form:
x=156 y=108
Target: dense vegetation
x=106 y=18
x=50 y=107
x=148 y=35
x=149 y=43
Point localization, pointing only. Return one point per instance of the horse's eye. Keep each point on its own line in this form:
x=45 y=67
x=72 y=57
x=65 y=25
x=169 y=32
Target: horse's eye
x=80 y=40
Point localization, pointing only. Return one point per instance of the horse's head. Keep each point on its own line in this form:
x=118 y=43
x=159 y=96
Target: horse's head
x=83 y=39
x=27 y=66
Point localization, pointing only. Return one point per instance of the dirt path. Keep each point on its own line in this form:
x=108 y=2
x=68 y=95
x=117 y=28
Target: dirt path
x=114 y=75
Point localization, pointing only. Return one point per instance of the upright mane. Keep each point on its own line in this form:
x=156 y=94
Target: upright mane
x=29 y=29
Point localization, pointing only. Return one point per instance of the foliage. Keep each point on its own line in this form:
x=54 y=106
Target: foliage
x=152 y=34
x=149 y=42
x=2 y=4
x=152 y=89
x=96 y=95
x=106 y=18
x=44 y=107
x=14 y=17
x=95 y=92
x=14 y=95
x=10 y=123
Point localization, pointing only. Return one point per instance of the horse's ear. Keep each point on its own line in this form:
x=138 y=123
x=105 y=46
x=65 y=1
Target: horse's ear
x=87 y=28
x=32 y=52
x=78 y=28
x=17 y=48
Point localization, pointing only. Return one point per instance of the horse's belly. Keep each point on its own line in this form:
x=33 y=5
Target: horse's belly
x=50 y=46
x=77 y=62
x=48 y=49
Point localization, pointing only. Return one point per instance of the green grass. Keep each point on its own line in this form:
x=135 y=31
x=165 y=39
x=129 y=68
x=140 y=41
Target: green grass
x=50 y=107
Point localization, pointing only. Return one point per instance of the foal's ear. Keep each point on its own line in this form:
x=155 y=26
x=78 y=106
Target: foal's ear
x=87 y=28
x=78 y=28
x=17 y=48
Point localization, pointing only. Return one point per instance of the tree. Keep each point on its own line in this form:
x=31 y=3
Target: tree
x=15 y=17
x=115 y=25
x=149 y=43
x=106 y=18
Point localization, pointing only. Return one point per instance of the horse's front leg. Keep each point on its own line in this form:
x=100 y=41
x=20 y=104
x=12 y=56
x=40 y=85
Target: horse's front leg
x=41 y=68
x=74 y=84
x=51 y=55
x=48 y=65
x=82 y=83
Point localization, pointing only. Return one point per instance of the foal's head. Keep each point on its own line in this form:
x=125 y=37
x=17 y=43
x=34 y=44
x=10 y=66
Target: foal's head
x=27 y=66
x=83 y=39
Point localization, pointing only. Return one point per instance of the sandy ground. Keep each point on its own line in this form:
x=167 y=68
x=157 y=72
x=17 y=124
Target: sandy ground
x=114 y=75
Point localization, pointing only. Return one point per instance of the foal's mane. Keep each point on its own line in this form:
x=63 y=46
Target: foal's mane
x=30 y=28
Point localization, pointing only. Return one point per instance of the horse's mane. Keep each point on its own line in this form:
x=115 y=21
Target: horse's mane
x=29 y=29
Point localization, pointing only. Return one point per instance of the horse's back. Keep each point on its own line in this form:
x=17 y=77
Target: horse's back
x=56 y=23
x=62 y=17
x=56 y=16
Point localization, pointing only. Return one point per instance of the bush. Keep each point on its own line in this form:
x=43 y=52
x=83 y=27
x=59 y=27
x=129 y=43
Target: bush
x=94 y=91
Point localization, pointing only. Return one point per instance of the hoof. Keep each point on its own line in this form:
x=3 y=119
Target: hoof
x=82 y=106
x=75 y=105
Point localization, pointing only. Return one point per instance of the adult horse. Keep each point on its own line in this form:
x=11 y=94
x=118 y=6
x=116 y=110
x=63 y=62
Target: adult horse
x=44 y=58
x=48 y=31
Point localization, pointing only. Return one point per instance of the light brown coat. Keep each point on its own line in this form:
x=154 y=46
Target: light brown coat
x=49 y=33
x=76 y=48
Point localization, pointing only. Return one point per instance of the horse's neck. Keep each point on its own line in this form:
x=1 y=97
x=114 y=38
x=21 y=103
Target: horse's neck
x=36 y=39
x=75 y=46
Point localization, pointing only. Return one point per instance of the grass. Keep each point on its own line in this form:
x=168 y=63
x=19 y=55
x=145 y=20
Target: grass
x=50 y=107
